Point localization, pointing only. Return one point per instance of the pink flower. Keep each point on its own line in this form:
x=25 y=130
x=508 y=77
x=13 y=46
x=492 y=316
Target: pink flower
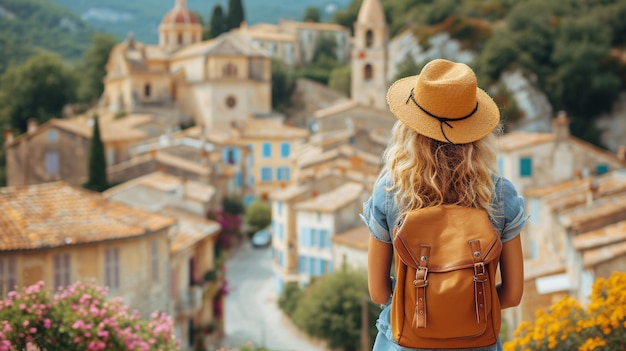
x=79 y=323
x=76 y=339
x=33 y=330
x=46 y=323
x=26 y=323
x=22 y=306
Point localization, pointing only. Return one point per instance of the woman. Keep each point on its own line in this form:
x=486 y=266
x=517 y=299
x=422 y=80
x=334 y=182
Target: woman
x=442 y=151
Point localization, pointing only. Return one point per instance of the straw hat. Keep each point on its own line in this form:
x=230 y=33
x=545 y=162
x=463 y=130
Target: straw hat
x=444 y=103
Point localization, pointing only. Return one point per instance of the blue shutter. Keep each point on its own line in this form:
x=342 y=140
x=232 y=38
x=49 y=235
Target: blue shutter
x=310 y=267
x=300 y=264
x=238 y=180
x=602 y=168
x=301 y=235
x=285 y=150
x=321 y=266
x=526 y=167
x=267 y=150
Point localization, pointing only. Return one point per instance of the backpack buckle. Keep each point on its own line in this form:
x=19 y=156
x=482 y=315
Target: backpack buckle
x=480 y=275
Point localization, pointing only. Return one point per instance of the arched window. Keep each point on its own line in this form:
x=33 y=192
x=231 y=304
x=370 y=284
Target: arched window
x=180 y=38
x=369 y=38
x=229 y=70
x=147 y=90
x=368 y=72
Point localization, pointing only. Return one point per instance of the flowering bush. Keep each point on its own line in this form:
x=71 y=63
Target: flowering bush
x=78 y=318
x=568 y=326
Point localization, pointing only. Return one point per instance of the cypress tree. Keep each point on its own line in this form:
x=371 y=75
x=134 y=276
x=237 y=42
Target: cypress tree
x=217 y=24
x=235 y=14
x=97 y=164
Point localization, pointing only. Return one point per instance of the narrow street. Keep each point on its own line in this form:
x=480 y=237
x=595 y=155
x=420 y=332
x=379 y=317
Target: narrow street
x=252 y=314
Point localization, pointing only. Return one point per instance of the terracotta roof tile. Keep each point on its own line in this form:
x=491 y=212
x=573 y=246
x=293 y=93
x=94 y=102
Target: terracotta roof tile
x=518 y=140
x=357 y=237
x=333 y=200
x=190 y=230
x=273 y=128
x=57 y=214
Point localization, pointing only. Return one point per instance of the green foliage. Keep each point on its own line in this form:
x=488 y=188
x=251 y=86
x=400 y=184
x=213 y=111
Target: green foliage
x=341 y=79
x=97 y=180
x=218 y=23
x=258 y=215
x=37 y=89
x=233 y=205
x=289 y=298
x=566 y=46
x=41 y=25
x=324 y=60
x=283 y=84
x=312 y=14
x=235 y=14
x=330 y=309
x=92 y=68
x=407 y=68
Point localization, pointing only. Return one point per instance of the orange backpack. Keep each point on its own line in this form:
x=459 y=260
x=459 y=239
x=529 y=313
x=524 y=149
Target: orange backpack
x=445 y=296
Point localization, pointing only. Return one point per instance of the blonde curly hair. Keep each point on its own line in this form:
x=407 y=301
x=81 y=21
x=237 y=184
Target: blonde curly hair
x=426 y=172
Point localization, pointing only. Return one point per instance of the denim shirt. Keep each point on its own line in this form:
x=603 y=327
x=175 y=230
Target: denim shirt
x=380 y=214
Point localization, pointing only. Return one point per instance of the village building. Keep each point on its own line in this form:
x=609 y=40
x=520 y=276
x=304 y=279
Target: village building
x=574 y=236
x=295 y=43
x=59 y=148
x=195 y=279
x=212 y=82
x=350 y=248
x=532 y=159
x=61 y=235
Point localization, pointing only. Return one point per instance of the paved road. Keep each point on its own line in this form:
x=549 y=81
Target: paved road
x=252 y=313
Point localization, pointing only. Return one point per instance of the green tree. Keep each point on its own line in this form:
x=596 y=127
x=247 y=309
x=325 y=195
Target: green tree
x=236 y=14
x=97 y=180
x=407 y=68
x=340 y=79
x=218 y=23
x=331 y=306
x=37 y=89
x=92 y=69
x=233 y=205
x=289 y=298
x=283 y=84
x=312 y=14
x=258 y=215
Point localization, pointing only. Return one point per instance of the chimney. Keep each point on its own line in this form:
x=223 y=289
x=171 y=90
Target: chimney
x=32 y=126
x=8 y=135
x=560 y=126
x=621 y=153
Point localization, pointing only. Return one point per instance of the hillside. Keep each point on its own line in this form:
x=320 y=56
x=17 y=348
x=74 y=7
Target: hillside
x=142 y=17
x=30 y=26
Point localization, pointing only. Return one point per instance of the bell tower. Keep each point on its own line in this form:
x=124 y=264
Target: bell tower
x=369 y=56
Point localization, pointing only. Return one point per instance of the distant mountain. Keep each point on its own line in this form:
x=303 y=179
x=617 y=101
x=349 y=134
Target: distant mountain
x=142 y=17
x=29 y=26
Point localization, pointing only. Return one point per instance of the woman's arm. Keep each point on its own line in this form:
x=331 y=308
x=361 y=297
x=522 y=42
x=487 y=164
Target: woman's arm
x=379 y=256
x=512 y=272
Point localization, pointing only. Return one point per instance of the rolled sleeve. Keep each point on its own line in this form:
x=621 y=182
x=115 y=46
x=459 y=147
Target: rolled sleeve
x=514 y=214
x=375 y=213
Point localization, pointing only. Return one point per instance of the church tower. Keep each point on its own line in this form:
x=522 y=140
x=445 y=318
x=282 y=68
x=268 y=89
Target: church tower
x=179 y=28
x=369 y=56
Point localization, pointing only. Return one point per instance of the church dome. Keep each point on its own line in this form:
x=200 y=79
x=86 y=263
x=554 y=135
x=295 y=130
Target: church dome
x=180 y=14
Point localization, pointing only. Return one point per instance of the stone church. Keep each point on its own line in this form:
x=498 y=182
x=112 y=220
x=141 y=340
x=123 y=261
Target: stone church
x=215 y=81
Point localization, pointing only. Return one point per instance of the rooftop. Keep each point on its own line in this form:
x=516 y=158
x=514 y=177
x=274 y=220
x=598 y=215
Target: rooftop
x=38 y=216
x=333 y=200
x=357 y=237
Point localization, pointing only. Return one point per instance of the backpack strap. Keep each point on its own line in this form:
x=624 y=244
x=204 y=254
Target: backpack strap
x=420 y=283
x=480 y=277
